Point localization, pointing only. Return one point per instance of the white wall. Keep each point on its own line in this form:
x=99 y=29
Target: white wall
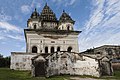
x=32 y=23
x=64 y=41
x=21 y=61
x=63 y=26
x=70 y=65
x=88 y=66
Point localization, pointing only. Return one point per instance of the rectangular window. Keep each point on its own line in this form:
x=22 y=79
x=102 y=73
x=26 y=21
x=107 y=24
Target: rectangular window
x=52 y=41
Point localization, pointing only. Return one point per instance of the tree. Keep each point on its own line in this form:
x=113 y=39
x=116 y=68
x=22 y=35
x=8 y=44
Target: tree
x=4 y=61
x=1 y=56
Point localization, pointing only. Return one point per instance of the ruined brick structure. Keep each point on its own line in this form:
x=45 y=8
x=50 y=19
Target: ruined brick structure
x=52 y=48
x=112 y=51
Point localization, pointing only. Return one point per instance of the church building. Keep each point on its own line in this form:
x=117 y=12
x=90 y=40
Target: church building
x=52 y=47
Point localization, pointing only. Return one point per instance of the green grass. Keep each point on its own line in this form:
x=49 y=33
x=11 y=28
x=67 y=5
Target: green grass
x=7 y=74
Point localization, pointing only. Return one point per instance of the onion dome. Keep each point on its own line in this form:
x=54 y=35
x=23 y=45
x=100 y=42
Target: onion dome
x=65 y=18
x=47 y=14
x=35 y=14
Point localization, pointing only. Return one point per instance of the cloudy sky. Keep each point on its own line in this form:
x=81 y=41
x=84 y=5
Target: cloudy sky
x=99 y=21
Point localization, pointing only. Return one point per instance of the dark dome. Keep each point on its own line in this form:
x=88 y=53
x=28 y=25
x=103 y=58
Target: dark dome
x=65 y=18
x=35 y=14
x=47 y=14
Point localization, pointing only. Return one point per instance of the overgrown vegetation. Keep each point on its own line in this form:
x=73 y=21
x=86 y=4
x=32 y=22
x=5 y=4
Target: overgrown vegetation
x=4 y=61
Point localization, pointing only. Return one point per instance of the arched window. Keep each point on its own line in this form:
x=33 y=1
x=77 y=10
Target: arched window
x=69 y=49
x=35 y=26
x=68 y=28
x=52 y=49
x=58 y=48
x=62 y=27
x=34 y=49
x=46 y=49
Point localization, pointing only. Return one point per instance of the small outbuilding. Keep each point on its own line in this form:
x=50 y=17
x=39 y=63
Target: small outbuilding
x=70 y=63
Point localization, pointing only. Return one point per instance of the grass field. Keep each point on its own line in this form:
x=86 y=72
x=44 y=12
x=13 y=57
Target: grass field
x=7 y=74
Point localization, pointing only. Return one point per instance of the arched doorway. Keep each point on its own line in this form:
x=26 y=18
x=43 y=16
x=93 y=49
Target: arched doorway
x=35 y=26
x=68 y=27
x=69 y=49
x=34 y=49
x=38 y=66
x=52 y=49
x=40 y=69
x=46 y=49
x=58 y=48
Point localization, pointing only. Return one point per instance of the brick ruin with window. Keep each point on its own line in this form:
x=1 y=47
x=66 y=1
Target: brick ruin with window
x=52 y=48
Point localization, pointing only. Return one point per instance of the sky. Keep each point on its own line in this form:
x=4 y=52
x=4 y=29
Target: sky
x=99 y=21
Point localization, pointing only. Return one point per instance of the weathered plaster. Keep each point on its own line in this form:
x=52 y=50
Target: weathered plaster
x=21 y=61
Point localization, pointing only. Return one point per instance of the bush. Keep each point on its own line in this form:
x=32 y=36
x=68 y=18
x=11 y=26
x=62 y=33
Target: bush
x=4 y=61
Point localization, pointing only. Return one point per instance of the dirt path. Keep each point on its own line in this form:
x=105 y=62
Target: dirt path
x=78 y=78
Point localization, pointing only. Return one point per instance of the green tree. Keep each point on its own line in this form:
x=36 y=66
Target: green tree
x=1 y=56
x=4 y=61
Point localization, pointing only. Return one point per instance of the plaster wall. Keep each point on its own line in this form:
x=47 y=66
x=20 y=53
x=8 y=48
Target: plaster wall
x=65 y=63
x=49 y=25
x=63 y=41
x=64 y=26
x=88 y=66
x=21 y=61
x=35 y=22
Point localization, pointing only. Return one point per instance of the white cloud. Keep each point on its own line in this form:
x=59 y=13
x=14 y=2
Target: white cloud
x=4 y=22
x=103 y=27
x=38 y=5
x=9 y=27
x=71 y=2
x=3 y=16
x=34 y=4
x=65 y=2
x=25 y=9
x=17 y=37
x=3 y=42
x=11 y=31
x=1 y=37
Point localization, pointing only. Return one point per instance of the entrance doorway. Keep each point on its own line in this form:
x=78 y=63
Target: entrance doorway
x=69 y=49
x=40 y=69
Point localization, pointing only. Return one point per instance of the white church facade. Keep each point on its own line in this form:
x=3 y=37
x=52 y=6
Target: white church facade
x=52 y=47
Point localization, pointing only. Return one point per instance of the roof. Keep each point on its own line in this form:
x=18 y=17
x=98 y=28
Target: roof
x=98 y=57
x=47 y=14
x=35 y=14
x=65 y=18
x=101 y=47
x=52 y=31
